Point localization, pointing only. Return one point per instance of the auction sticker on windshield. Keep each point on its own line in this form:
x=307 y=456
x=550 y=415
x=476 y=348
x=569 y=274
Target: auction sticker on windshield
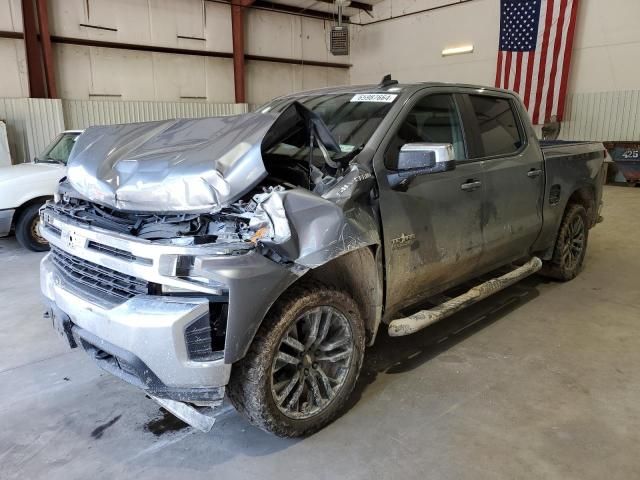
x=374 y=97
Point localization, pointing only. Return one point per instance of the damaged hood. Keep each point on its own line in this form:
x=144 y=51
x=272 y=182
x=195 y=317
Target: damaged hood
x=187 y=165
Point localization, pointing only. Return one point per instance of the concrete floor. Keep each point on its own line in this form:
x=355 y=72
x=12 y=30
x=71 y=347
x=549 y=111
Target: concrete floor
x=540 y=381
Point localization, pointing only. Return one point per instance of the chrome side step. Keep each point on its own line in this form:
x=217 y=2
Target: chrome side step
x=424 y=318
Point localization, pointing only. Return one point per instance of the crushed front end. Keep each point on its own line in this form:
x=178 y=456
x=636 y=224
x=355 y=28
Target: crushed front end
x=169 y=298
x=152 y=312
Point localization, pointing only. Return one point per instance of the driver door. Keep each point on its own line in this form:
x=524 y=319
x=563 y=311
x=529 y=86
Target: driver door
x=432 y=231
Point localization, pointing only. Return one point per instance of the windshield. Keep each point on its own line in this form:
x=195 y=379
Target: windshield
x=59 y=149
x=352 y=118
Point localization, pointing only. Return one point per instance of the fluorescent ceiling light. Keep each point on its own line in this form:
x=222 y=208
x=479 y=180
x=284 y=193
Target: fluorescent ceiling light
x=457 y=50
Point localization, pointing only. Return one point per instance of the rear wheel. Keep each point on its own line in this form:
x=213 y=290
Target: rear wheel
x=303 y=363
x=571 y=245
x=27 y=230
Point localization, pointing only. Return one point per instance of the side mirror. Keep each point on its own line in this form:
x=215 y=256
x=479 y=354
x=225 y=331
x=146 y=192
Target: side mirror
x=421 y=159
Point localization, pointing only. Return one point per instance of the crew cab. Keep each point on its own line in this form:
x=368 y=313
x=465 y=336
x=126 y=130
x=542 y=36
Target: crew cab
x=258 y=255
x=25 y=187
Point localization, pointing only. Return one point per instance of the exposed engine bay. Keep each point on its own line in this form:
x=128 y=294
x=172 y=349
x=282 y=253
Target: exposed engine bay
x=290 y=162
x=232 y=224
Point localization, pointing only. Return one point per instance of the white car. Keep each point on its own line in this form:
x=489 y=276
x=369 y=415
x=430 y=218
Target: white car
x=25 y=187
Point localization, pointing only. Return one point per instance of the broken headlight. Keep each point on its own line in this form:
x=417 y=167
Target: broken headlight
x=187 y=268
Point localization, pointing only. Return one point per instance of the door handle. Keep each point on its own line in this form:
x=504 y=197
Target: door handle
x=533 y=173
x=471 y=185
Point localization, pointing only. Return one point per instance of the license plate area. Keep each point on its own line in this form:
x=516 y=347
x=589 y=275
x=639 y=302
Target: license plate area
x=72 y=240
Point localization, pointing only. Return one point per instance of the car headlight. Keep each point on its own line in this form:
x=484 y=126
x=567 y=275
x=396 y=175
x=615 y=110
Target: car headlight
x=184 y=268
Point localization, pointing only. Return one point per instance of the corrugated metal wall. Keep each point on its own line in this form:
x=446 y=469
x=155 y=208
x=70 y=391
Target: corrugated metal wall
x=14 y=112
x=33 y=122
x=81 y=113
x=602 y=116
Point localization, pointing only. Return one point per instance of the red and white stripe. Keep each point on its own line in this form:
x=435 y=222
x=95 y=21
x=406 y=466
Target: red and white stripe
x=540 y=77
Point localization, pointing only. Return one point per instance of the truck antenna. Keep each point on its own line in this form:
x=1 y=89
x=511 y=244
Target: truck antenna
x=387 y=81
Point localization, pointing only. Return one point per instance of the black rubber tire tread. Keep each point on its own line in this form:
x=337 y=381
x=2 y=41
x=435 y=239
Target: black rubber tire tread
x=555 y=268
x=23 y=230
x=249 y=387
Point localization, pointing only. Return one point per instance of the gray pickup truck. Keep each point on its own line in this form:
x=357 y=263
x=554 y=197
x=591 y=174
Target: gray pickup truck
x=257 y=255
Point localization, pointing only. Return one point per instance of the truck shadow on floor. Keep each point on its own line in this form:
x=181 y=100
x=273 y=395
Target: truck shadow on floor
x=388 y=355
x=402 y=354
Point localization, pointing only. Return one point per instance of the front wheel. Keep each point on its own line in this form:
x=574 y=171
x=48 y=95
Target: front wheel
x=27 y=232
x=571 y=245
x=303 y=363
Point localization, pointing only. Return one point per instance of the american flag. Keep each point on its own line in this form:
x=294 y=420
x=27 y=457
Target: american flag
x=536 y=39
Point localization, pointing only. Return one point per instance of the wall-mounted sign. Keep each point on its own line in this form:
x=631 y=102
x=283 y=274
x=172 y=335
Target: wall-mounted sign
x=626 y=155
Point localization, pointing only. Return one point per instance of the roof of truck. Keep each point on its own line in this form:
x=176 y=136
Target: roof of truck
x=392 y=88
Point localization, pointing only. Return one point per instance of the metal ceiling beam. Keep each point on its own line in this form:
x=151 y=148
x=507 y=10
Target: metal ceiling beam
x=47 y=54
x=177 y=51
x=16 y=35
x=270 y=6
x=37 y=85
x=455 y=3
x=237 y=32
x=357 y=5
x=290 y=9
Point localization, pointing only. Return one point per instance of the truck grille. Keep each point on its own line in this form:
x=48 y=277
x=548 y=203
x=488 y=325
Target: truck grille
x=116 y=252
x=98 y=280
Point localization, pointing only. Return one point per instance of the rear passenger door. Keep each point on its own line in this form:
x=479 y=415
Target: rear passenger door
x=513 y=177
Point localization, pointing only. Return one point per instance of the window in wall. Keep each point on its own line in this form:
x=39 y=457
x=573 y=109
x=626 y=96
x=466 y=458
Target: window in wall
x=499 y=132
x=434 y=119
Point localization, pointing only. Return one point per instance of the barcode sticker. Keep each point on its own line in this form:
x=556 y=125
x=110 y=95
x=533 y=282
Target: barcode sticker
x=374 y=97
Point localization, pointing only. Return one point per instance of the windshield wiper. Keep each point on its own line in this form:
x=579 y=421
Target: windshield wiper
x=54 y=160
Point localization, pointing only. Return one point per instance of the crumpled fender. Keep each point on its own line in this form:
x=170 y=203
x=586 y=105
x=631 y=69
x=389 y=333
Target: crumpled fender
x=322 y=228
x=312 y=230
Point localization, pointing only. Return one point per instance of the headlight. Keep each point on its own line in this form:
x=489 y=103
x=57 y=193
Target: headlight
x=184 y=268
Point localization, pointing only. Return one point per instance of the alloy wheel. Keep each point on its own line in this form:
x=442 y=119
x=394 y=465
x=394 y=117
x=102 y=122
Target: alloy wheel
x=312 y=362
x=574 y=243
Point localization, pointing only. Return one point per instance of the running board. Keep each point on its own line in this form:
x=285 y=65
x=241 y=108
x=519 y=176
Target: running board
x=424 y=318
x=201 y=418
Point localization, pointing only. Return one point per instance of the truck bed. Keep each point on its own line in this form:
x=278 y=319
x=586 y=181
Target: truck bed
x=569 y=148
x=570 y=167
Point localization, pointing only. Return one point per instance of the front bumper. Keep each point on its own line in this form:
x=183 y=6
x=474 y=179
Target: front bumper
x=6 y=219
x=249 y=282
x=141 y=340
x=103 y=291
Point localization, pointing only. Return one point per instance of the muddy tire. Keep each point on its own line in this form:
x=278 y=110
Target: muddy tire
x=27 y=230
x=571 y=245
x=303 y=363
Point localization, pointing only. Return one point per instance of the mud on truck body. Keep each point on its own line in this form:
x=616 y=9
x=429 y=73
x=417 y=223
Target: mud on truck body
x=257 y=255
